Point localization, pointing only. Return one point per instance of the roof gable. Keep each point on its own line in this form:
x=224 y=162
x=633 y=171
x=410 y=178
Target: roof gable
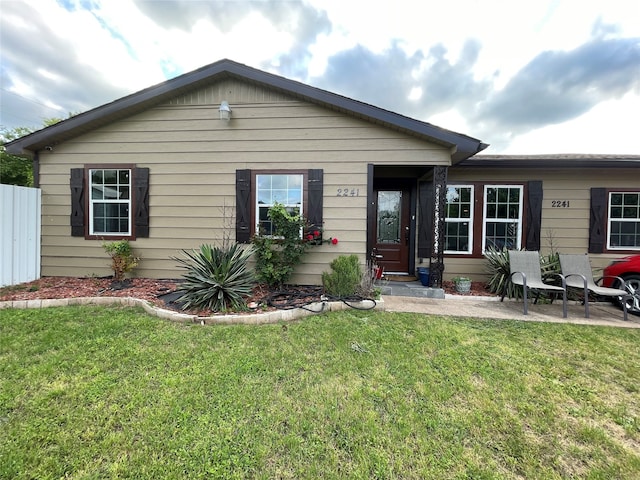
x=462 y=146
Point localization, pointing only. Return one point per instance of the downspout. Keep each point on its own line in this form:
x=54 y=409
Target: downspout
x=36 y=169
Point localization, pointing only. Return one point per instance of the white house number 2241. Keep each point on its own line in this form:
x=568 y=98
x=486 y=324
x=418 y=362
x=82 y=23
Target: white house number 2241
x=348 y=192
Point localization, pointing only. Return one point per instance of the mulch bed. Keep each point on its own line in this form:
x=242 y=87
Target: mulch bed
x=162 y=293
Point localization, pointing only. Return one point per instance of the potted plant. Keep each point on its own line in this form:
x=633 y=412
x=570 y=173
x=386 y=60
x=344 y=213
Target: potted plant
x=462 y=284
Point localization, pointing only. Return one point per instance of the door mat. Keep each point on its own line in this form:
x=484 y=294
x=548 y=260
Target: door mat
x=400 y=278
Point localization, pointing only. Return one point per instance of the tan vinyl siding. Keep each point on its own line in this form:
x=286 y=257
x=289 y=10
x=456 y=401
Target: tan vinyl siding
x=564 y=229
x=193 y=157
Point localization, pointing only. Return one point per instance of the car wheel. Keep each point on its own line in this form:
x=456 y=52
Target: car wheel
x=632 y=282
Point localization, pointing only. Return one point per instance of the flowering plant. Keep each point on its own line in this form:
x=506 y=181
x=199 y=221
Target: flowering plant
x=277 y=256
x=314 y=237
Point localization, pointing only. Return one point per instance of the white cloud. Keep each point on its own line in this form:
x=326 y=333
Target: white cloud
x=118 y=47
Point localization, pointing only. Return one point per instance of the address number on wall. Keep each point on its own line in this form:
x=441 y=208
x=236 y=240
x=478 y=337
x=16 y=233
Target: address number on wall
x=348 y=192
x=560 y=204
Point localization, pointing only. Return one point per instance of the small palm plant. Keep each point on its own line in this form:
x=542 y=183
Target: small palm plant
x=499 y=271
x=216 y=278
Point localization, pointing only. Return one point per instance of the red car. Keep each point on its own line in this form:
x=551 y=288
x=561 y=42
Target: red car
x=627 y=268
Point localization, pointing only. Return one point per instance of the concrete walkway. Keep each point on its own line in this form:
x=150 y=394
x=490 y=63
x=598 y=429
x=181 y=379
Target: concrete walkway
x=491 y=307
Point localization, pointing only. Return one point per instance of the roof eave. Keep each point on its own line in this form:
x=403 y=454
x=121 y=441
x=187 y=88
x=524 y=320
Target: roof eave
x=552 y=161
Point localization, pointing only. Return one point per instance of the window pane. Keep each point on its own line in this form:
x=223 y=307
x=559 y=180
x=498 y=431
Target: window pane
x=389 y=217
x=97 y=177
x=98 y=210
x=629 y=212
x=492 y=211
x=458 y=208
x=295 y=197
x=110 y=201
x=279 y=196
x=624 y=220
x=98 y=225
x=453 y=211
x=96 y=193
x=264 y=197
x=110 y=192
x=278 y=188
x=263 y=182
x=502 y=217
x=279 y=182
x=110 y=177
x=616 y=199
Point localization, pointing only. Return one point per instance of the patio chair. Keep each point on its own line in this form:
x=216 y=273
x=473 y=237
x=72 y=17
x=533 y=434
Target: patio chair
x=576 y=269
x=525 y=271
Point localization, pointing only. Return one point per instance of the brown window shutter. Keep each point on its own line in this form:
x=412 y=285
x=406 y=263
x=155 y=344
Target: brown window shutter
x=141 y=202
x=243 y=206
x=534 y=214
x=315 y=194
x=77 y=202
x=597 y=220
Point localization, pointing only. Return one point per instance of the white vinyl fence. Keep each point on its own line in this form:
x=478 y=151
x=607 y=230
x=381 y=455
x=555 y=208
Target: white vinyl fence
x=19 y=234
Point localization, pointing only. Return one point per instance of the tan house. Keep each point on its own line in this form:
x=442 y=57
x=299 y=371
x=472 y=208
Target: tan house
x=565 y=203
x=201 y=158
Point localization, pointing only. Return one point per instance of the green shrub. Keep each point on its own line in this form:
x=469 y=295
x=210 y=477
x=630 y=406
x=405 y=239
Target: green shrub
x=122 y=258
x=345 y=278
x=278 y=255
x=216 y=278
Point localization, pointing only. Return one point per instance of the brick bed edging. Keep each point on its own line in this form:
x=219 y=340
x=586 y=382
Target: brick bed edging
x=228 y=319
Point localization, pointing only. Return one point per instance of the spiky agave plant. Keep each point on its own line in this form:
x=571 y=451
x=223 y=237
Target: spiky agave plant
x=499 y=270
x=216 y=278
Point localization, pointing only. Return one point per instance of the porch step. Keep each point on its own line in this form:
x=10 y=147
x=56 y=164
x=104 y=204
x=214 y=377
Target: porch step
x=409 y=289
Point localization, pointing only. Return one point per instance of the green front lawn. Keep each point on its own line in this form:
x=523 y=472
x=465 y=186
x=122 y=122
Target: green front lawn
x=89 y=392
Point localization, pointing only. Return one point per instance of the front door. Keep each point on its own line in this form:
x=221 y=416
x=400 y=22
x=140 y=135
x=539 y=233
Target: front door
x=392 y=232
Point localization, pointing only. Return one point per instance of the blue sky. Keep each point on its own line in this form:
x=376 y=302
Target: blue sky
x=529 y=76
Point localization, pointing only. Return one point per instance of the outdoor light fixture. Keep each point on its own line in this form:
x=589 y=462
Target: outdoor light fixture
x=225 y=111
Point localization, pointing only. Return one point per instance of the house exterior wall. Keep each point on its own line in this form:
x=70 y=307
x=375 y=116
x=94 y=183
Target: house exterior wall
x=564 y=229
x=193 y=157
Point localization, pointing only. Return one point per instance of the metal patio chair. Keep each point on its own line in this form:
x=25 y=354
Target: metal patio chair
x=525 y=271
x=576 y=269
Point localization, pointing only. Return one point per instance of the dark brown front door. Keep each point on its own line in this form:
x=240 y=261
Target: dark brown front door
x=392 y=230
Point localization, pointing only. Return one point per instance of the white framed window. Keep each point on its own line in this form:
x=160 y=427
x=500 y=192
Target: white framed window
x=502 y=217
x=285 y=189
x=110 y=201
x=459 y=219
x=623 y=232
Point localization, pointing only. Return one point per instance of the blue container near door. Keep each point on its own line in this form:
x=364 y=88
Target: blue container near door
x=423 y=275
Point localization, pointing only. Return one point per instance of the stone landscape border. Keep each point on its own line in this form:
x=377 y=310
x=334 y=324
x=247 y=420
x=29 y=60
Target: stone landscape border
x=254 y=318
